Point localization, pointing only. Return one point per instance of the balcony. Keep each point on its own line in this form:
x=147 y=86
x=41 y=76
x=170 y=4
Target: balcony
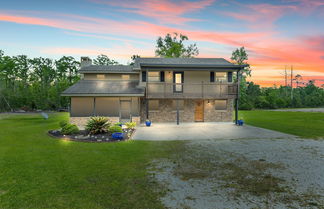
x=158 y=90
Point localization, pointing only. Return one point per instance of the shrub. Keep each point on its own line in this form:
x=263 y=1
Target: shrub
x=63 y=123
x=130 y=125
x=118 y=124
x=114 y=129
x=97 y=125
x=69 y=129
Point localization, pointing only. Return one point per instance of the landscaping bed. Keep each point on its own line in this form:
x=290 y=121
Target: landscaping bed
x=84 y=136
x=98 y=129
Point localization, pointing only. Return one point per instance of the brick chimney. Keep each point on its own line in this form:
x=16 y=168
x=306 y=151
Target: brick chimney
x=85 y=61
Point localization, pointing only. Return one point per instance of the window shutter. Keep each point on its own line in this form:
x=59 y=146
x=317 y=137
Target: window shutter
x=212 y=76
x=230 y=76
x=162 y=76
x=143 y=76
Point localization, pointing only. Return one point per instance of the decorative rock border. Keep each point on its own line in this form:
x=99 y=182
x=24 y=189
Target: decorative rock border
x=82 y=137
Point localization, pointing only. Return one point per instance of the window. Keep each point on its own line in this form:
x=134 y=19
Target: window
x=153 y=76
x=125 y=77
x=221 y=104
x=101 y=76
x=153 y=105
x=220 y=76
x=143 y=76
x=181 y=104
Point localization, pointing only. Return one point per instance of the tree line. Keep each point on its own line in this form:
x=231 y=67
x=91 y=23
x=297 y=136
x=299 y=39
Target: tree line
x=32 y=84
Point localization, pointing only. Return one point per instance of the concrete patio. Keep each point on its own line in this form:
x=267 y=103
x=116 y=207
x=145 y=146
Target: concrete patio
x=203 y=131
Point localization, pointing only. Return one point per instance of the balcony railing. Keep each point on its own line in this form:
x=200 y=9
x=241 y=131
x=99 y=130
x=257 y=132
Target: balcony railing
x=191 y=90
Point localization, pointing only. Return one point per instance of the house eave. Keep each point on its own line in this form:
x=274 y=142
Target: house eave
x=102 y=95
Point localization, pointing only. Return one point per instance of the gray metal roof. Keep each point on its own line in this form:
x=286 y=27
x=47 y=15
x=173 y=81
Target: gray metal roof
x=107 y=69
x=185 y=62
x=104 y=88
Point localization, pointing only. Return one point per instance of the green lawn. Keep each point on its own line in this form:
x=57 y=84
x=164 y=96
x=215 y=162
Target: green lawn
x=37 y=171
x=303 y=124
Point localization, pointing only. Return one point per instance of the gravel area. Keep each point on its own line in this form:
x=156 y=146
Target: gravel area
x=243 y=173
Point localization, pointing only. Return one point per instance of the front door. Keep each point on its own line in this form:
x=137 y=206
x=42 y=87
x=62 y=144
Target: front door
x=199 y=111
x=178 y=82
x=125 y=110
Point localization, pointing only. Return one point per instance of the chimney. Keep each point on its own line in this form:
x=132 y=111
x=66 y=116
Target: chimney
x=85 y=61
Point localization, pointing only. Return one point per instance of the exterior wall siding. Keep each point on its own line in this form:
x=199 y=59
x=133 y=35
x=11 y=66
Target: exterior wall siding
x=104 y=106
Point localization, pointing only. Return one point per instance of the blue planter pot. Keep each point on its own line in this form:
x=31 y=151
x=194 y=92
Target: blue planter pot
x=117 y=135
x=240 y=122
x=148 y=123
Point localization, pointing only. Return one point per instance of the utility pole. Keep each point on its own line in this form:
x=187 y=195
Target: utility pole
x=291 y=81
x=286 y=80
x=286 y=76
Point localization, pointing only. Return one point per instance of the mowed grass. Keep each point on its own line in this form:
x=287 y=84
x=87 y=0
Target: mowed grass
x=303 y=124
x=37 y=171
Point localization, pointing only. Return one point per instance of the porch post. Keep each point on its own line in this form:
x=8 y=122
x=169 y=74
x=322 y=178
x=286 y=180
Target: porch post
x=177 y=112
x=147 y=108
x=94 y=106
x=237 y=96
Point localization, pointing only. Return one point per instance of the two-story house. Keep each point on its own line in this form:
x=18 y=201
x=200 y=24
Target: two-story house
x=158 y=89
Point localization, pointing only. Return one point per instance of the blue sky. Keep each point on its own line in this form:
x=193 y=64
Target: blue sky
x=275 y=33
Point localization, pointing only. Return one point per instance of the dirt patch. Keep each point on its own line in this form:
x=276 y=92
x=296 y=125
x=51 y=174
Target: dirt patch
x=243 y=174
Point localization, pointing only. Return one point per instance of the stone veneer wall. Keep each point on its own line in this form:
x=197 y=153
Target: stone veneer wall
x=167 y=114
x=212 y=115
x=82 y=121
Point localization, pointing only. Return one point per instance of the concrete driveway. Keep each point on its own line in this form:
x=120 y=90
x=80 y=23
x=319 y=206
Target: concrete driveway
x=202 y=131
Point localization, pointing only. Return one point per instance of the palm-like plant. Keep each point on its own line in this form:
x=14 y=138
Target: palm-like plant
x=98 y=125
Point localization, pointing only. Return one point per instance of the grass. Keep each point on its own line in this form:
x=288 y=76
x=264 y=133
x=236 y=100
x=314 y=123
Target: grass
x=303 y=124
x=37 y=171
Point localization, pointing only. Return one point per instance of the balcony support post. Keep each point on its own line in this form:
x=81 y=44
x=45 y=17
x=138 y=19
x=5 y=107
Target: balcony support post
x=237 y=97
x=177 y=112
x=147 y=108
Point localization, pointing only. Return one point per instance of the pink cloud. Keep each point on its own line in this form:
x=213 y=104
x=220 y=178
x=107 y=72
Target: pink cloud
x=261 y=15
x=165 y=11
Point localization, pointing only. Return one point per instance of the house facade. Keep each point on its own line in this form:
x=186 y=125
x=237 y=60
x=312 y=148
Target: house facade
x=159 y=89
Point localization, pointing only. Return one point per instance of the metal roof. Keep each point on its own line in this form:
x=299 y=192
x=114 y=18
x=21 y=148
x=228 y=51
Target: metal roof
x=184 y=62
x=107 y=69
x=104 y=88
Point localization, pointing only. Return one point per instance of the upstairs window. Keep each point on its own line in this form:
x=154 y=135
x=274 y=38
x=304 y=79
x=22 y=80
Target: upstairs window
x=221 y=76
x=154 y=76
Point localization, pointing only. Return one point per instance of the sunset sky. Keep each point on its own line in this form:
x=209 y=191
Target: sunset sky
x=275 y=33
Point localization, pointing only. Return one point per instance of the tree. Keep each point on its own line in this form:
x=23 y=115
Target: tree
x=104 y=60
x=133 y=59
x=67 y=67
x=173 y=46
x=239 y=56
